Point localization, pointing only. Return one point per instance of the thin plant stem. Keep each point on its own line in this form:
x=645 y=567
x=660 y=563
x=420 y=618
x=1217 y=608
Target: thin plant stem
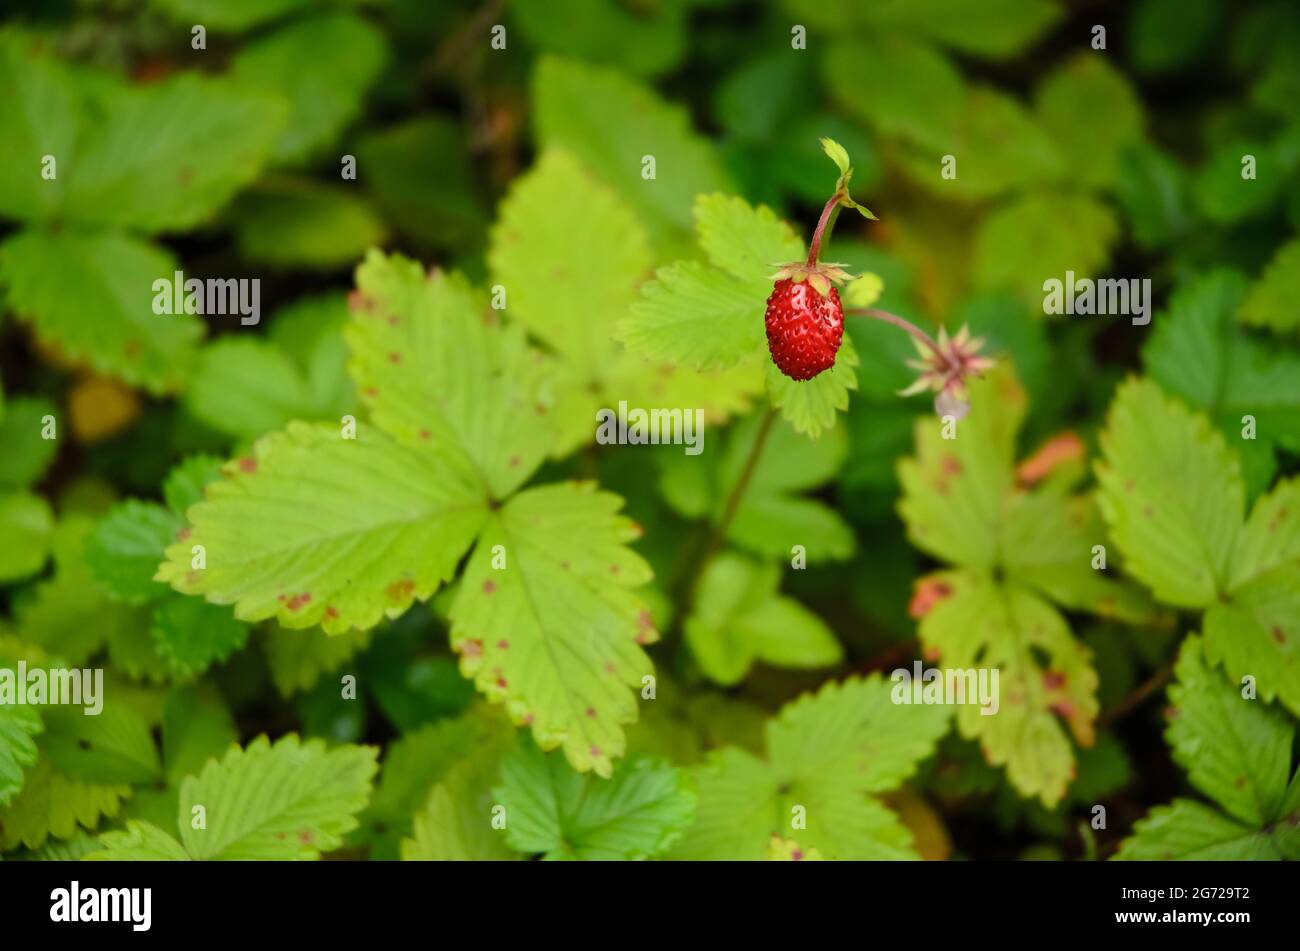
x=825 y=224
x=900 y=322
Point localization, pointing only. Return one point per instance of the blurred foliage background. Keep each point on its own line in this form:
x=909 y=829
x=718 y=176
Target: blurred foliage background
x=226 y=161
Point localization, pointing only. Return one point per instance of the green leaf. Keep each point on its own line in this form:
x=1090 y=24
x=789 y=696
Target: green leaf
x=27 y=453
x=191 y=634
x=1091 y=112
x=997 y=29
x=434 y=373
x=1191 y=831
x=1235 y=750
x=298 y=659
x=998 y=146
x=246 y=387
x=1198 y=353
x=53 y=804
x=771 y=517
x=458 y=755
x=455 y=824
x=652 y=41
x=1224 y=195
x=550 y=809
x=826 y=754
x=1171 y=493
x=55 y=278
x=1021 y=244
x=747 y=242
x=196 y=727
x=837 y=154
x=610 y=124
x=138 y=842
x=185 y=483
x=739 y=618
x=18 y=726
x=290 y=800
x=1046 y=677
x=234 y=16
x=423 y=177
x=297 y=222
x=1271 y=301
x=812 y=406
x=206 y=137
x=296 y=531
x=954 y=490
x=570 y=268
x=556 y=633
x=323 y=66
x=110 y=748
x=1256 y=632
x=25 y=526
x=124 y=551
x=917 y=93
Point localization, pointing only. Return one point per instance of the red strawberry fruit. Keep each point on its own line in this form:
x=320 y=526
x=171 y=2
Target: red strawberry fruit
x=804 y=327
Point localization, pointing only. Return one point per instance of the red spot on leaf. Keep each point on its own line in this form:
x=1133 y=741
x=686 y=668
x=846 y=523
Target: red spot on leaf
x=248 y=464
x=297 y=602
x=503 y=644
x=331 y=612
x=591 y=712
x=1278 y=634
x=400 y=590
x=1056 y=452
x=926 y=594
x=394 y=358
x=489 y=586
x=471 y=647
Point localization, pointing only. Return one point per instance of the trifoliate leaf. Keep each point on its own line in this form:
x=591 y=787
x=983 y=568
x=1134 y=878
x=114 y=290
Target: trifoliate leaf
x=826 y=754
x=1091 y=112
x=811 y=406
x=191 y=634
x=1172 y=495
x=27 y=452
x=323 y=66
x=1045 y=677
x=124 y=551
x=297 y=532
x=556 y=633
x=1271 y=301
x=434 y=373
x=569 y=268
x=740 y=618
x=290 y=800
x=55 y=278
x=1236 y=750
x=1021 y=242
x=550 y=809
x=612 y=125
x=25 y=526
x=290 y=222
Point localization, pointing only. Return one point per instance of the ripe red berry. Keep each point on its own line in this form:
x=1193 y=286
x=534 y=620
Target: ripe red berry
x=804 y=328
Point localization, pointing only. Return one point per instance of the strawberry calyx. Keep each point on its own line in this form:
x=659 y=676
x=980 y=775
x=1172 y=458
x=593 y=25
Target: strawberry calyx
x=820 y=276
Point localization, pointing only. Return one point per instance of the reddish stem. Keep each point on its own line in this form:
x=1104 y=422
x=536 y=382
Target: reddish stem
x=901 y=322
x=824 y=225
